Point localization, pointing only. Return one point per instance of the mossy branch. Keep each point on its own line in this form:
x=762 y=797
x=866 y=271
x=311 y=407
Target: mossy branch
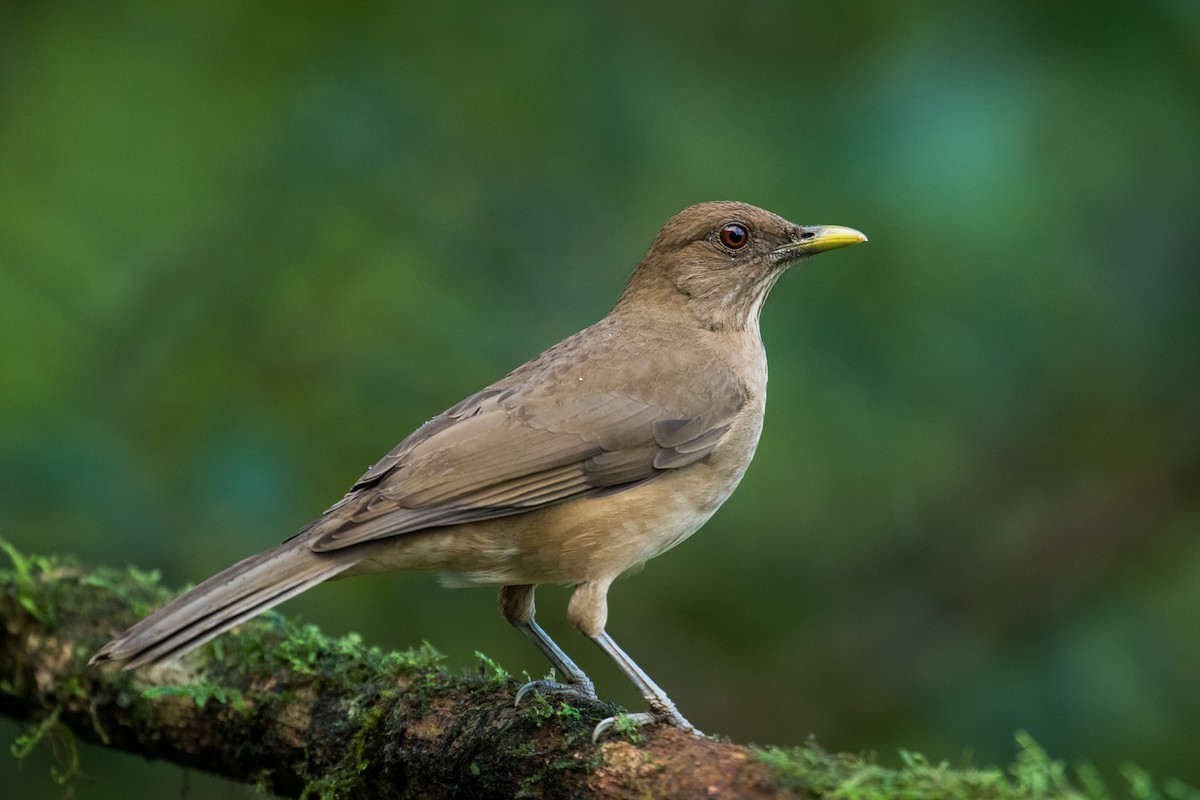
x=281 y=706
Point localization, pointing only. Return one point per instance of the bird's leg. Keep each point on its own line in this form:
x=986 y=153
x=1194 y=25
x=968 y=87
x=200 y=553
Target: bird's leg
x=661 y=707
x=516 y=604
x=588 y=612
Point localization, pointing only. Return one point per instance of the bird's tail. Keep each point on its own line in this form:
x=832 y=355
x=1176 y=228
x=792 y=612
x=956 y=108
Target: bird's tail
x=234 y=595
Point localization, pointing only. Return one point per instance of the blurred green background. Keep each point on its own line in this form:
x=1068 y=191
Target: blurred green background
x=244 y=249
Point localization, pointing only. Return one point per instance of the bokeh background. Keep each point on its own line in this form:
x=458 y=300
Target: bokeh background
x=245 y=248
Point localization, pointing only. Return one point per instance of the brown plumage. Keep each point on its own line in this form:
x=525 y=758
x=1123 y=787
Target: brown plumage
x=600 y=453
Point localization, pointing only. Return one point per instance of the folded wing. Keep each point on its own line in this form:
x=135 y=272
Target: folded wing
x=501 y=452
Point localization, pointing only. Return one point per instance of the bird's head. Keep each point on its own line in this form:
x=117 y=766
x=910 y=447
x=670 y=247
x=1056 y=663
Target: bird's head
x=722 y=258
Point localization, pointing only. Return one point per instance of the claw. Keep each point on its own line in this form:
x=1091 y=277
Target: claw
x=667 y=716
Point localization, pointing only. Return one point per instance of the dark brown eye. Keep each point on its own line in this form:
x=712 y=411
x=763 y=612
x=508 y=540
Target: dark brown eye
x=734 y=236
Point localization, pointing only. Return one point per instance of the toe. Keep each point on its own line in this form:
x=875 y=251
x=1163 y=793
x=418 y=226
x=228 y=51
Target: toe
x=666 y=717
x=583 y=691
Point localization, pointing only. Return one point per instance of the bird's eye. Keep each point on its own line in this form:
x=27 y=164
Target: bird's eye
x=734 y=236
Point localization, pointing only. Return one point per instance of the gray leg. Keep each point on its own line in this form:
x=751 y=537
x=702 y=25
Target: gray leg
x=661 y=707
x=516 y=604
x=588 y=612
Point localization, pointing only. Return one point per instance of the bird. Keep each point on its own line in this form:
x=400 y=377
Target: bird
x=597 y=455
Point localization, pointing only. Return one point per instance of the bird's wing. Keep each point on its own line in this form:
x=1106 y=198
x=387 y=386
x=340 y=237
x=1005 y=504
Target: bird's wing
x=503 y=452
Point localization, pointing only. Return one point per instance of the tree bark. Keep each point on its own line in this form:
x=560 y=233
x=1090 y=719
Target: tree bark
x=281 y=706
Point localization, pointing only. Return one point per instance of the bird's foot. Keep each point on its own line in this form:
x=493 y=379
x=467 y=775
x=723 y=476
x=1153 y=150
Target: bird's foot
x=582 y=689
x=667 y=715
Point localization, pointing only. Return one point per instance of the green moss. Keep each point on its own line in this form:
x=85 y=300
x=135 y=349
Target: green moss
x=529 y=786
x=811 y=770
x=323 y=789
x=346 y=780
x=493 y=674
x=538 y=758
x=422 y=659
x=371 y=722
x=274 y=644
x=566 y=711
x=538 y=708
x=525 y=749
x=34 y=734
x=141 y=589
x=629 y=728
x=62 y=744
x=24 y=575
x=200 y=693
x=75 y=686
x=546 y=772
x=1034 y=775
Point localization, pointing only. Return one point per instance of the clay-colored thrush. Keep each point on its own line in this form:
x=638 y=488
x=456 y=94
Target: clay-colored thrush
x=604 y=451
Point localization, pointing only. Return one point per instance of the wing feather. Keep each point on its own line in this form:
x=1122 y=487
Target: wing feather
x=503 y=451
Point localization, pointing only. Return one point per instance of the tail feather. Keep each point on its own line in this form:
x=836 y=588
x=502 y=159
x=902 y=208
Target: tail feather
x=230 y=597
